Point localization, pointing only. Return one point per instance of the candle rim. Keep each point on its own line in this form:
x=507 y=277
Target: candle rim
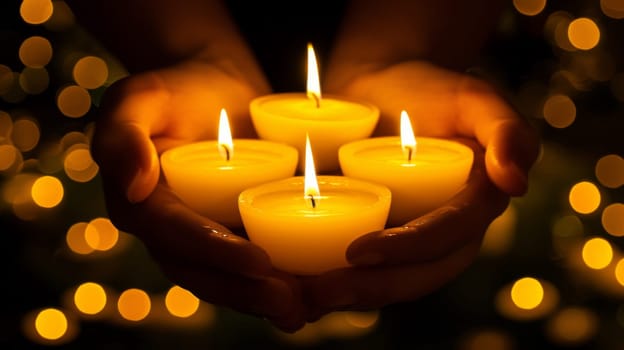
x=277 y=149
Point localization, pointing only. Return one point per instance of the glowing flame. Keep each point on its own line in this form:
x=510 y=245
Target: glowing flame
x=311 y=189
x=313 y=87
x=408 y=141
x=226 y=147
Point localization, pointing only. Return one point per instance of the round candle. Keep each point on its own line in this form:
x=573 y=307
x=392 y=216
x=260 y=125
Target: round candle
x=209 y=177
x=329 y=121
x=431 y=172
x=307 y=240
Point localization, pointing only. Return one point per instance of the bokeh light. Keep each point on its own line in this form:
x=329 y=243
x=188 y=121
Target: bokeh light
x=181 y=302
x=62 y=17
x=6 y=79
x=613 y=219
x=489 y=339
x=101 y=234
x=529 y=7
x=584 y=197
x=610 y=171
x=559 y=111
x=527 y=293
x=51 y=323
x=78 y=163
x=73 y=101
x=612 y=8
x=583 y=33
x=36 y=11
x=10 y=88
x=597 y=253
x=34 y=80
x=47 y=191
x=90 y=298
x=90 y=72
x=134 y=304
x=619 y=272
x=76 y=240
x=9 y=156
x=35 y=52
x=556 y=29
x=25 y=134
x=572 y=326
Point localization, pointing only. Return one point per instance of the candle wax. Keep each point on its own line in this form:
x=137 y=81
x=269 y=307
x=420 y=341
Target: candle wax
x=287 y=117
x=308 y=240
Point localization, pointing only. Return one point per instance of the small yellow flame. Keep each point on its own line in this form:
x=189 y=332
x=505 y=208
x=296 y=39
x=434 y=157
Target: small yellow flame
x=408 y=141
x=225 y=144
x=313 y=87
x=311 y=188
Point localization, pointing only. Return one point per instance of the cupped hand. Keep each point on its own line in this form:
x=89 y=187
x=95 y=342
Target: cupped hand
x=143 y=115
x=404 y=263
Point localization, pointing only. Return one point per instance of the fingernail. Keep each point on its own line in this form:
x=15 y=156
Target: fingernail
x=133 y=193
x=367 y=259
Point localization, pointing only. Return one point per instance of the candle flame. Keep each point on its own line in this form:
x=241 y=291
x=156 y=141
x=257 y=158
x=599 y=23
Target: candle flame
x=313 y=87
x=408 y=141
x=225 y=144
x=311 y=188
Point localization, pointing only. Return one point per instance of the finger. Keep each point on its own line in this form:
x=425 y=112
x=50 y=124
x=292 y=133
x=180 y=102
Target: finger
x=122 y=145
x=361 y=288
x=172 y=231
x=462 y=219
x=511 y=143
x=268 y=297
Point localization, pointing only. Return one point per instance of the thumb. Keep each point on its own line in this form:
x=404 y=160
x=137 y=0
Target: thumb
x=127 y=158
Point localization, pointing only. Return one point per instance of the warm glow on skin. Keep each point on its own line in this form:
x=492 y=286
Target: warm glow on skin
x=51 y=324
x=134 y=304
x=362 y=319
x=597 y=253
x=584 y=197
x=583 y=33
x=90 y=298
x=180 y=302
x=47 y=192
x=527 y=293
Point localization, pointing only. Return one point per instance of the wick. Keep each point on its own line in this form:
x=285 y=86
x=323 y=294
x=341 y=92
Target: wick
x=227 y=152
x=317 y=100
x=313 y=201
x=409 y=154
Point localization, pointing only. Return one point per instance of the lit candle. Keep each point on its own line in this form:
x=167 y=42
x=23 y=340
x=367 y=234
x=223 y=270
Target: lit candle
x=209 y=175
x=329 y=121
x=305 y=223
x=422 y=174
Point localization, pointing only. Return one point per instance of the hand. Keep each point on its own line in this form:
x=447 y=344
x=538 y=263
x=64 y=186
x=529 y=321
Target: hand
x=142 y=116
x=412 y=260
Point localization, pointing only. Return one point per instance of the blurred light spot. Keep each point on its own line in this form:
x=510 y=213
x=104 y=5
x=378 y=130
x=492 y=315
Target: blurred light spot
x=362 y=319
x=25 y=134
x=73 y=138
x=583 y=33
x=556 y=28
x=619 y=272
x=617 y=86
x=6 y=125
x=90 y=72
x=613 y=219
x=12 y=92
x=51 y=323
x=6 y=78
x=100 y=234
x=62 y=17
x=584 y=197
x=487 y=339
x=76 y=240
x=90 y=298
x=527 y=293
x=572 y=326
x=499 y=234
x=559 y=111
x=17 y=189
x=613 y=8
x=50 y=158
x=180 y=302
x=79 y=165
x=597 y=253
x=36 y=11
x=74 y=101
x=47 y=191
x=568 y=226
x=34 y=80
x=8 y=157
x=529 y=7
x=35 y=52
x=134 y=304
x=610 y=171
